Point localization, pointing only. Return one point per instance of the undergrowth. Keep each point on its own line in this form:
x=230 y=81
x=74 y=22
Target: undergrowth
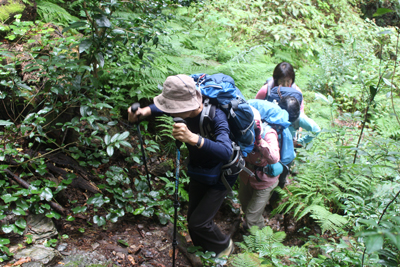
x=79 y=88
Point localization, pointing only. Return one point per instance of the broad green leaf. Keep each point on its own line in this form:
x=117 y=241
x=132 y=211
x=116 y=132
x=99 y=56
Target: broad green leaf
x=83 y=111
x=382 y=11
x=386 y=32
x=107 y=139
x=46 y=194
x=53 y=214
x=7 y=198
x=123 y=242
x=18 y=211
x=322 y=97
x=97 y=201
x=100 y=59
x=118 y=31
x=21 y=223
x=110 y=150
x=138 y=210
x=103 y=105
x=70 y=218
x=79 y=209
x=388 y=83
x=123 y=136
x=75 y=25
x=112 y=217
x=4 y=241
x=85 y=45
x=24 y=86
x=7 y=228
x=44 y=110
x=373 y=242
x=103 y=22
x=99 y=220
x=164 y=218
x=5 y=123
x=115 y=137
x=125 y=143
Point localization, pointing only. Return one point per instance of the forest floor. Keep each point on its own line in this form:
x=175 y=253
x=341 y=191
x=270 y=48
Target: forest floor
x=142 y=241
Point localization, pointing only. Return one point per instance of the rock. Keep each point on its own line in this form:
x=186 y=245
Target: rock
x=41 y=227
x=79 y=258
x=41 y=254
x=162 y=168
x=95 y=245
x=120 y=255
x=62 y=247
x=32 y=264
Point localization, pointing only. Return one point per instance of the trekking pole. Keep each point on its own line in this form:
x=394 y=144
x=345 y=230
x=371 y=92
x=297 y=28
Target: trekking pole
x=135 y=107
x=176 y=201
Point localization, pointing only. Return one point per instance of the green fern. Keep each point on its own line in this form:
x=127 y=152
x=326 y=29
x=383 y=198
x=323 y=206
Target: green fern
x=247 y=260
x=327 y=220
x=267 y=244
x=51 y=12
x=164 y=130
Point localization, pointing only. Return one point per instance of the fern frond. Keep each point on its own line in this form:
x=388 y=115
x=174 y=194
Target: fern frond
x=246 y=260
x=51 y=12
x=164 y=126
x=326 y=219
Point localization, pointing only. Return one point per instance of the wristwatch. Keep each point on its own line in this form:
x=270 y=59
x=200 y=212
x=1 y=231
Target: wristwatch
x=199 y=141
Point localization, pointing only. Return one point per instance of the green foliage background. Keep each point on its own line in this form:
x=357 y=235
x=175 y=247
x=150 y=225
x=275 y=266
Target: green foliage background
x=102 y=56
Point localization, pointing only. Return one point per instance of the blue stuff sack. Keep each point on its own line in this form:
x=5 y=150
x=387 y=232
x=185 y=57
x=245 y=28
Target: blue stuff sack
x=278 y=119
x=273 y=169
x=220 y=90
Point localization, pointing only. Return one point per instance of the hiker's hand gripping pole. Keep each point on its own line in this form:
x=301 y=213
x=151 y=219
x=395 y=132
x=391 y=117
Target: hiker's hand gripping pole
x=178 y=120
x=134 y=108
x=176 y=202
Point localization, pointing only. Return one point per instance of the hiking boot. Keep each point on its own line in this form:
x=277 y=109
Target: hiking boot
x=228 y=251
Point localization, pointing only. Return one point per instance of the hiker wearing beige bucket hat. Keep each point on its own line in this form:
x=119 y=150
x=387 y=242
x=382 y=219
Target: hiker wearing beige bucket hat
x=255 y=191
x=180 y=98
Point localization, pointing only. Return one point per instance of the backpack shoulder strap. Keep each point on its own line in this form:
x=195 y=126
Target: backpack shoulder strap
x=206 y=116
x=270 y=85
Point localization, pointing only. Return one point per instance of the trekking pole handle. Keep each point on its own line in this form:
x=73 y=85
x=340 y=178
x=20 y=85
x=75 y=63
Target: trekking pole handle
x=178 y=120
x=134 y=107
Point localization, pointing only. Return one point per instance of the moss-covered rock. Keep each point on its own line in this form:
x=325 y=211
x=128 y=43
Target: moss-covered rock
x=10 y=8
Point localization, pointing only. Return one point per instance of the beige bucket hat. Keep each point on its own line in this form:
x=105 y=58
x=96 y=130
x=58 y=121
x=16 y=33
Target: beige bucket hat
x=179 y=94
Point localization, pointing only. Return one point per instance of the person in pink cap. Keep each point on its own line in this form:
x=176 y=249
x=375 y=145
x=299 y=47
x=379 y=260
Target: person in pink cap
x=255 y=191
x=180 y=98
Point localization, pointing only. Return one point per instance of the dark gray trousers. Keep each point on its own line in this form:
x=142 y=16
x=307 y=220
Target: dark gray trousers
x=204 y=203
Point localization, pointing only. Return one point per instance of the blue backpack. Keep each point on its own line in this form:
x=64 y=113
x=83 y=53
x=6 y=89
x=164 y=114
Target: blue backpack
x=273 y=116
x=277 y=92
x=220 y=90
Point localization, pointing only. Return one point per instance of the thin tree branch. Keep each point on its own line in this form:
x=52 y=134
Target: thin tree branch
x=25 y=184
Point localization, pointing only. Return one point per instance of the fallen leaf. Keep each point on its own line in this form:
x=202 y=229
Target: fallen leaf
x=21 y=261
x=131 y=259
x=176 y=253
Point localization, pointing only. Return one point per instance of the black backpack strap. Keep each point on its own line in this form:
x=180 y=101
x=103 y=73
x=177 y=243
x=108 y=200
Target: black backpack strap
x=235 y=165
x=269 y=87
x=206 y=116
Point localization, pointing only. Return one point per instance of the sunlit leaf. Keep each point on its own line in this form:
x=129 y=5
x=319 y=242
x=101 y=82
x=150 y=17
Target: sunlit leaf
x=382 y=11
